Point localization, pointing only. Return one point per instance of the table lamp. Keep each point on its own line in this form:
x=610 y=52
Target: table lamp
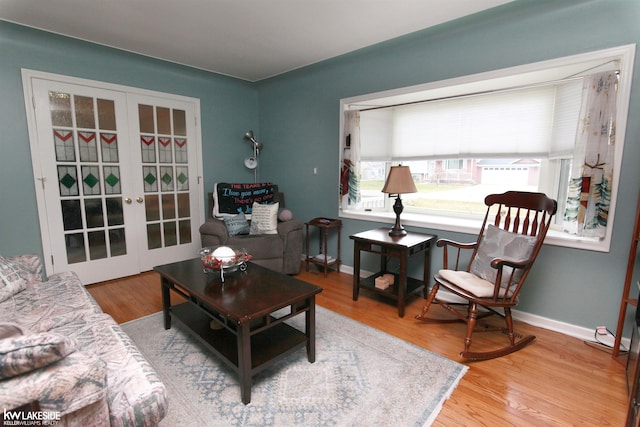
x=399 y=182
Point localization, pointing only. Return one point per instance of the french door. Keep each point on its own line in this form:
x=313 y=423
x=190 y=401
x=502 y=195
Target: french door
x=117 y=176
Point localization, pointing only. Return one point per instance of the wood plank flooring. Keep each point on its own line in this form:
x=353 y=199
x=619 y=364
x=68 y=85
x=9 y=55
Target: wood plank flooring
x=556 y=381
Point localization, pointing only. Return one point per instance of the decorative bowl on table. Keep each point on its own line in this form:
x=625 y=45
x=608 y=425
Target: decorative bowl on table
x=224 y=259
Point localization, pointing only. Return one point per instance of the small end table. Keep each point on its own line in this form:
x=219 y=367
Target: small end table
x=323 y=225
x=378 y=241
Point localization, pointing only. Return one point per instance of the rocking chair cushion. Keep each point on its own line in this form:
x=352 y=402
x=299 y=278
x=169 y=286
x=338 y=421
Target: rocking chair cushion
x=498 y=243
x=471 y=283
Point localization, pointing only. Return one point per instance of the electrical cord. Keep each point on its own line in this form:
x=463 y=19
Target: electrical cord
x=603 y=345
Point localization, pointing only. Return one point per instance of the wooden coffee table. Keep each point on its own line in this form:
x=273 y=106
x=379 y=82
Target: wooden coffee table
x=235 y=319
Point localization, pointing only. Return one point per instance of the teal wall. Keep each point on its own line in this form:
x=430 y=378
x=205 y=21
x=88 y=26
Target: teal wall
x=296 y=116
x=299 y=123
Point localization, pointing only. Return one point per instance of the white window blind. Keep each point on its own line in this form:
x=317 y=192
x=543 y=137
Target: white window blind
x=565 y=123
x=376 y=134
x=536 y=122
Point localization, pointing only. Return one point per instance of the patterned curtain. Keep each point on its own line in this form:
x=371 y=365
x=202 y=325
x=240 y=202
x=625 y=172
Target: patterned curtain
x=589 y=193
x=350 y=171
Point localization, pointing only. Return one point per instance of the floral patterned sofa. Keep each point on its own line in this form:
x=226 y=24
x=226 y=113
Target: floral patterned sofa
x=60 y=351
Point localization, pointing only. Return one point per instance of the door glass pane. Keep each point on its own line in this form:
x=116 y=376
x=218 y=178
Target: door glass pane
x=184 y=208
x=182 y=178
x=170 y=237
x=75 y=248
x=166 y=176
x=185 y=231
x=106 y=114
x=150 y=178
x=168 y=206
x=114 y=211
x=68 y=181
x=109 y=147
x=71 y=215
x=117 y=242
x=152 y=207
x=84 y=112
x=154 y=238
x=181 y=150
x=91 y=180
x=164 y=150
x=97 y=245
x=148 y=147
x=145 y=117
x=164 y=120
x=93 y=212
x=179 y=123
x=65 y=147
x=111 y=179
x=87 y=147
x=60 y=107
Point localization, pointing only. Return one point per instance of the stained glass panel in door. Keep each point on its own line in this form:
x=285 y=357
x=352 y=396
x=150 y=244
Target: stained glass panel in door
x=165 y=175
x=87 y=161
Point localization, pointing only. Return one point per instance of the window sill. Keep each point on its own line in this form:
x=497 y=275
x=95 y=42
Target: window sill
x=471 y=226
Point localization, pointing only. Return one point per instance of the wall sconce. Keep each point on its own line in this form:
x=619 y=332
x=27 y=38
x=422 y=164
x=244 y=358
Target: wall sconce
x=252 y=161
x=399 y=182
x=257 y=146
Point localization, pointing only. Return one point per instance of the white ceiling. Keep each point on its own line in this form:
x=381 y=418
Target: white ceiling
x=247 y=39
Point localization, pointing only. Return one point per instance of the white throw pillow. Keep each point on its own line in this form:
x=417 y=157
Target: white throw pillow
x=498 y=243
x=264 y=218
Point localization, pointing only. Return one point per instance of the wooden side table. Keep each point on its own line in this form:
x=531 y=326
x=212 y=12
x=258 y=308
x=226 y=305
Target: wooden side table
x=323 y=225
x=378 y=241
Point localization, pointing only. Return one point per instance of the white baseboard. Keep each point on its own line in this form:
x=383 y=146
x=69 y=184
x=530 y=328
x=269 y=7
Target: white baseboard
x=575 y=331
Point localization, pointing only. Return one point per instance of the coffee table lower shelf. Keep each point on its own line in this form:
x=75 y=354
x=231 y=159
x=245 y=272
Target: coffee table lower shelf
x=267 y=345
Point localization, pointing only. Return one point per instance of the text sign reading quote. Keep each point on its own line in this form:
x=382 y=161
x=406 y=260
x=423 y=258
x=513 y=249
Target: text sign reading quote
x=232 y=199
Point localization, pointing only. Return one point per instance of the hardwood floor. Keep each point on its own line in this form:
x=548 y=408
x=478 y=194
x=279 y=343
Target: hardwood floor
x=555 y=381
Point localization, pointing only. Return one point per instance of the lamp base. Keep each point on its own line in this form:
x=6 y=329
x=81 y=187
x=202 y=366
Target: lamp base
x=396 y=232
x=398 y=229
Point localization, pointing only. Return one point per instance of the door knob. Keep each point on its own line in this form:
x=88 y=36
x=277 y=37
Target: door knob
x=127 y=200
x=139 y=199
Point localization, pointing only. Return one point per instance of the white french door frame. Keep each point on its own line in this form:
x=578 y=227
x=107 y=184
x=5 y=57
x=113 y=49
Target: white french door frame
x=38 y=168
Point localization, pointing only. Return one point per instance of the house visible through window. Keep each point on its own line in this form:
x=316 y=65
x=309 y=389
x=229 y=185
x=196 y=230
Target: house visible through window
x=466 y=138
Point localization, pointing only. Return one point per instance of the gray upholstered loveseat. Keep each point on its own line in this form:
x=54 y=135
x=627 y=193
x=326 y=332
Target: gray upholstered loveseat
x=280 y=252
x=63 y=358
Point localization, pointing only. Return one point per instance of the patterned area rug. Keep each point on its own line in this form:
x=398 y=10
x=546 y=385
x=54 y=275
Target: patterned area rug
x=361 y=377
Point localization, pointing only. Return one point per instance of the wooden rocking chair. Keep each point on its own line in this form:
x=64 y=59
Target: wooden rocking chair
x=499 y=264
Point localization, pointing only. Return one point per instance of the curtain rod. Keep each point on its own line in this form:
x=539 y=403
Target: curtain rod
x=485 y=92
x=616 y=62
